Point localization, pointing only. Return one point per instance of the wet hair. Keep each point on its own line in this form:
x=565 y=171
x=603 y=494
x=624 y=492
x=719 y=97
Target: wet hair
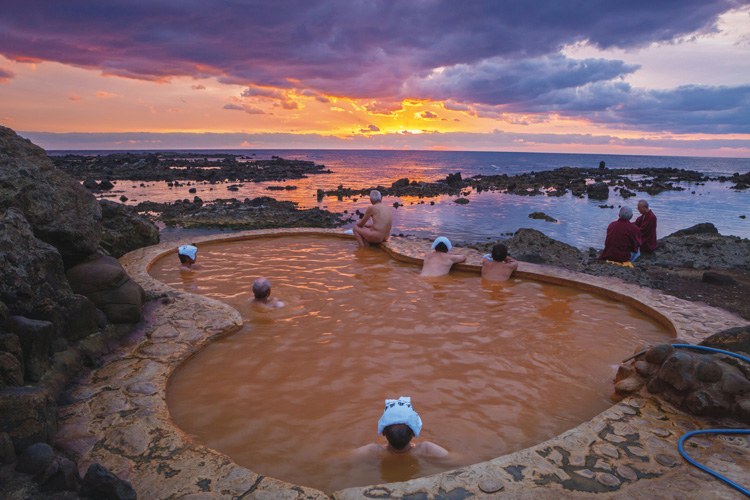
x=398 y=435
x=261 y=288
x=375 y=195
x=183 y=258
x=645 y=203
x=499 y=252
x=441 y=247
x=626 y=213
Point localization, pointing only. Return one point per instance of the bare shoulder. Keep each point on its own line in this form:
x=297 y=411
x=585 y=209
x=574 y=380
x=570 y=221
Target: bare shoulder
x=368 y=450
x=428 y=449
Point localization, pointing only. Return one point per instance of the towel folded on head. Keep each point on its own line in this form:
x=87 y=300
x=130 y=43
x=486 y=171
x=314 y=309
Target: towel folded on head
x=442 y=239
x=188 y=250
x=400 y=411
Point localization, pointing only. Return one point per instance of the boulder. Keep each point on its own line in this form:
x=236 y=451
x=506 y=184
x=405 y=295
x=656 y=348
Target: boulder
x=703 y=228
x=59 y=475
x=35 y=458
x=99 y=483
x=598 y=191
x=104 y=281
x=530 y=242
x=733 y=339
x=702 y=247
x=29 y=415
x=7 y=451
x=36 y=339
x=60 y=210
x=715 y=278
x=124 y=229
x=677 y=371
x=11 y=371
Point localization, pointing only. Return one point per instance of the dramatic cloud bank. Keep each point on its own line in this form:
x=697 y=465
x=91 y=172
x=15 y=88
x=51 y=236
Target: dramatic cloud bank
x=497 y=59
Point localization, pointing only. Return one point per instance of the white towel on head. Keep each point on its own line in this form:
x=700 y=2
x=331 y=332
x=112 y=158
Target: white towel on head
x=400 y=411
x=442 y=239
x=188 y=250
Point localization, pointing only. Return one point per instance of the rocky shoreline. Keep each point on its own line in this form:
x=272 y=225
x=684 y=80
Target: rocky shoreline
x=65 y=300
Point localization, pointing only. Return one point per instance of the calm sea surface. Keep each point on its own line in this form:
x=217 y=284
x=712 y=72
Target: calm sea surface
x=581 y=222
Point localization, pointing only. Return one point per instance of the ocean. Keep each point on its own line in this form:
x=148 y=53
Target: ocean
x=489 y=215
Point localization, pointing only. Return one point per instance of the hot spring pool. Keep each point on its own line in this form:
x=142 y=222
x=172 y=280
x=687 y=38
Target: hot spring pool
x=491 y=368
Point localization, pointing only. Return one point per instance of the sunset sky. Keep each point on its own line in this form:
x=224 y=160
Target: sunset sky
x=668 y=77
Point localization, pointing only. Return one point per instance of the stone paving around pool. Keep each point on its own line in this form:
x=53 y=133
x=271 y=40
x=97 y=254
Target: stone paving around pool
x=119 y=417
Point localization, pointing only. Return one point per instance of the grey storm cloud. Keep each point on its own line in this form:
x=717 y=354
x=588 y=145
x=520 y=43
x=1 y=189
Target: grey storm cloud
x=490 y=52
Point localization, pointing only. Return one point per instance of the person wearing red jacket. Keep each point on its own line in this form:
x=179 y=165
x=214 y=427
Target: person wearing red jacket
x=623 y=240
x=647 y=223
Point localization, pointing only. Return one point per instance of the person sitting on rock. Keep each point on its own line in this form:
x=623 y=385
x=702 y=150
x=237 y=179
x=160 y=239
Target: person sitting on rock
x=399 y=425
x=623 y=240
x=439 y=261
x=499 y=265
x=187 y=255
x=382 y=220
x=262 y=293
x=647 y=223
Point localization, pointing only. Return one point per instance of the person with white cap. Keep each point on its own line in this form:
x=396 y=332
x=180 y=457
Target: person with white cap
x=187 y=255
x=400 y=424
x=382 y=220
x=439 y=261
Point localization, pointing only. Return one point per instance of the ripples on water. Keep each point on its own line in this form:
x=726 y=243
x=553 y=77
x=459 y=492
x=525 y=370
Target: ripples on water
x=491 y=367
x=582 y=222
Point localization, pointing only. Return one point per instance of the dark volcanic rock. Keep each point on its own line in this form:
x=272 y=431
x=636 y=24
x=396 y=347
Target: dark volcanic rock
x=35 y=458
x=60 y=210
x=702 y=246
x=542 y=216
x=59 y=475
x=11 y=371
x=677 y=371
x=125 y=230
x=29 y=415
x=529 y=242
x=718 y=279
x=598 y=191
x=734 y=339
x=99 y=483
x=704 y=228
x=32 y=270
x=36 y=338
x=103 y=281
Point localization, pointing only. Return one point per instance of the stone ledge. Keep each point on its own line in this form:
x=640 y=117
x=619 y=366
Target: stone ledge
x=119 y=416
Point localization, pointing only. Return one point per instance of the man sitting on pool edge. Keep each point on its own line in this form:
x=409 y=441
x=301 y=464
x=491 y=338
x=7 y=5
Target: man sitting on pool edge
x=439 y=261
x=262 y=293
x=382 y=220
x=399 y=424
x=498 y=266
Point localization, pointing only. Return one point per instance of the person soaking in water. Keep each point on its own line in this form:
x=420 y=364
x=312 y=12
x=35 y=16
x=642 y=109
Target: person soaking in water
x=399 y=425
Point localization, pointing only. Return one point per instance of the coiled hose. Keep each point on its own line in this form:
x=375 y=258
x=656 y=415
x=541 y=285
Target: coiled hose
x=709 y=431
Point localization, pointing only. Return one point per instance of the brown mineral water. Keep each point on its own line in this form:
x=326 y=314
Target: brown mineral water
x=491 y=368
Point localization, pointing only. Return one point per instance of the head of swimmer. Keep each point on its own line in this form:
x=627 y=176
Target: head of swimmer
x=499 y=252
x=441 y=247
x=375 y=196
x=185 y=260
x=261 y=289
x=398 y=435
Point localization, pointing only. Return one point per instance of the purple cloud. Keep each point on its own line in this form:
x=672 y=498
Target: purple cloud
x=6 y=74
x=481 y=53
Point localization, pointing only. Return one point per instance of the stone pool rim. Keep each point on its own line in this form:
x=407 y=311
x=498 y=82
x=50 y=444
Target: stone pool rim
x=184 y=323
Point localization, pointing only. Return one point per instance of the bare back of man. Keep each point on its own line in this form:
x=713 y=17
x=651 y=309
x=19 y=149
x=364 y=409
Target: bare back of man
x=422 y=449
x=439 y=263
x=498 y=271
x=380 y=228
